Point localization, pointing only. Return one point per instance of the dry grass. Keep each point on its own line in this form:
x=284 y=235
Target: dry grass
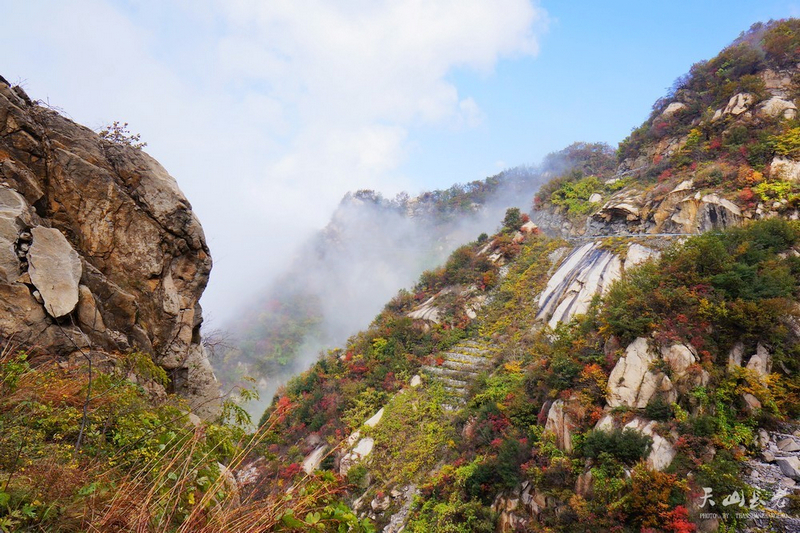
x=98 y=491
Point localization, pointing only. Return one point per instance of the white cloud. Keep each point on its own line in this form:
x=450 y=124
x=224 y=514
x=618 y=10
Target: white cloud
x=266 y=112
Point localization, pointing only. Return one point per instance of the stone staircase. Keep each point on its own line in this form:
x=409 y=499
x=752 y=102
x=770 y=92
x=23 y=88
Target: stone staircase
x=460 y=367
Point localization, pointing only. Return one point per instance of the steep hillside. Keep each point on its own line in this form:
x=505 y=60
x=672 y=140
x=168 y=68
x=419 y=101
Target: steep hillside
x=621 y=374
x=340 y=279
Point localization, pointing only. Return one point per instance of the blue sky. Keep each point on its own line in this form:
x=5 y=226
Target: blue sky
x=600 y=68
x=268 y=111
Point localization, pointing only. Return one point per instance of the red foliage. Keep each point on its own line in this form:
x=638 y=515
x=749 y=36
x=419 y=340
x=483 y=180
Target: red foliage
x=596 y=414
x=329 y=401
x=358 y=368
x=283 y=407
x=499 y=423
x=715 y=144
x=746 y=195
x=664 y=176
x=290 y=471
x=389 y=382
x=678 y=521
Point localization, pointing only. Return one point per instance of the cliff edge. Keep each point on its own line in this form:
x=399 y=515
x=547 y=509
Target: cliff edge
x=100 y=252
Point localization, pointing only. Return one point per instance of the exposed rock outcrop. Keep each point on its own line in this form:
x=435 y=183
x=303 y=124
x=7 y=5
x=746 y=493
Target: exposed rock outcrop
x=778 y=107
x=631 y=382
x=55 y=270
x=517 y=508
x=761 y=361
x=587 y=271
x=786 y=168
x=738 y=104
x=97 y=236
x=697 y=214
x=560 y=423
x=636 y=378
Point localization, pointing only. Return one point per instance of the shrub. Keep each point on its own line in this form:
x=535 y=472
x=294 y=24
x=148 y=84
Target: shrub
x=574 y=196
x=658 y=409
x=652 y=497
x=452 y=516
x=627 y=446
x=513 y=219
x=119 y=134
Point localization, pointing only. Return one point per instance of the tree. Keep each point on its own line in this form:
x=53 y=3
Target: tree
x=512 y=220
x=119 y=134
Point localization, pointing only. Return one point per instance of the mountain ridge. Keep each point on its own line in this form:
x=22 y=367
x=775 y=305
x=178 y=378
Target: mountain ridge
x=635 y=385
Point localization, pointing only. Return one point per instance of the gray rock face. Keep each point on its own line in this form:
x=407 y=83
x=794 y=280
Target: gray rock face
x=631 y=383
x=761 y=361
x=560 y=423
x=587 y=271
x=15 y=216
x=739 y=103
x=55 y=270
x=788 y=445
x=697 y=214
x=99 y=232
x=638 y=254
x=790 y=466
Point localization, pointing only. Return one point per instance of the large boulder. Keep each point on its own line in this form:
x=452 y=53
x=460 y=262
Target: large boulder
x=761 y=361
x=673 y=108
x=778 y=107
x=631 y=382
x=679 y=357
x=785 y=168
x=738 y=104
x=55 y=270
x=790 y=466
x=662 y=451
x=97 y=236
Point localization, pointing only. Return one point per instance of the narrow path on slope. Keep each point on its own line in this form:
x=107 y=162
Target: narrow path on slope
x=460 y=366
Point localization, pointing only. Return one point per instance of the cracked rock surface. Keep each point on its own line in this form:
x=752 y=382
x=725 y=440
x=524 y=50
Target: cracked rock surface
x=98 y=237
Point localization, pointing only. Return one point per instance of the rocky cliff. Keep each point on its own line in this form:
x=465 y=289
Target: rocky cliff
x=100 y=252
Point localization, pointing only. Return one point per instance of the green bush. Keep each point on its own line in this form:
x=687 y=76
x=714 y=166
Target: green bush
x=627 y=446
x=513 y=219
x=452 y=516
x=658 y=409
x=574 y=195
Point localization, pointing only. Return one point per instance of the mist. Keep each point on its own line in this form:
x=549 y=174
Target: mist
x=342 y=277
